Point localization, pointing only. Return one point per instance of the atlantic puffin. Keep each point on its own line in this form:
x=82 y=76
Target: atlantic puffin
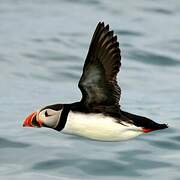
x=97 y=115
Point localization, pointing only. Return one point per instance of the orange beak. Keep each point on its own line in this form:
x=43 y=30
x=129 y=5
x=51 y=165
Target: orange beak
x=31 y=121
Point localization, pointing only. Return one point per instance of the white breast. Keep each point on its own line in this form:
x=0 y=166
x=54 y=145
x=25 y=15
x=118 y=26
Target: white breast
x=99 y=127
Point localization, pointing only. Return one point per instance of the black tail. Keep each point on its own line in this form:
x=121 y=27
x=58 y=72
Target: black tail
x=144 y=122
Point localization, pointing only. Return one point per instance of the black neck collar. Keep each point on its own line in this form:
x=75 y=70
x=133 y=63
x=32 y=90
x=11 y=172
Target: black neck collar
x=63 y=118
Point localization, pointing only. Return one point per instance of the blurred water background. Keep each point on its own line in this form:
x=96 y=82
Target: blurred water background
x=43 y=44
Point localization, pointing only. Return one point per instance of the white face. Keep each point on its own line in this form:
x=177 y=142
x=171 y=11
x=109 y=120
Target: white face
x=49 y=117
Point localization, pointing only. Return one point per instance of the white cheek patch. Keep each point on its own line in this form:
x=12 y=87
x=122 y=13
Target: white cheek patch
x=52 y=121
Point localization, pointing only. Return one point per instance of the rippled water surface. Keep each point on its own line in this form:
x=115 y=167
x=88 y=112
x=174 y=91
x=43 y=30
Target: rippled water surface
x=43 y=44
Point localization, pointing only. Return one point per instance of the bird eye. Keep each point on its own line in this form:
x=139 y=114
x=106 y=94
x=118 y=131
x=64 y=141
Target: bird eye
x=46 y=114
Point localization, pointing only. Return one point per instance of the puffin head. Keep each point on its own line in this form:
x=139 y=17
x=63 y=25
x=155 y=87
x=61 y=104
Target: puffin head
x=45 y=117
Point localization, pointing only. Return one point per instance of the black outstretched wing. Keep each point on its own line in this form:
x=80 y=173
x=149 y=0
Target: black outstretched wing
x=98 y=82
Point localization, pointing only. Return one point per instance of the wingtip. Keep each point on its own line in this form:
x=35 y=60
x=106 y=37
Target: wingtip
x=101 y=23
x=107 y=27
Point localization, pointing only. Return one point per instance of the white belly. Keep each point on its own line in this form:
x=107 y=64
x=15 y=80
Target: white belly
x=99 y=127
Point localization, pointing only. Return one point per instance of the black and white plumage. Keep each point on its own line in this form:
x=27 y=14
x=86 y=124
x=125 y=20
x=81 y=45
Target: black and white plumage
x=98 y=115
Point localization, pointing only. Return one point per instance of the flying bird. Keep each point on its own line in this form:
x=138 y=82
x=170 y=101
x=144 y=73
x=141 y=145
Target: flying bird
x=98 y=114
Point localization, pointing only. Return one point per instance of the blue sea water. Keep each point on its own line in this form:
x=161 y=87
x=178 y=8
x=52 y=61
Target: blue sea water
x=43 y=45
